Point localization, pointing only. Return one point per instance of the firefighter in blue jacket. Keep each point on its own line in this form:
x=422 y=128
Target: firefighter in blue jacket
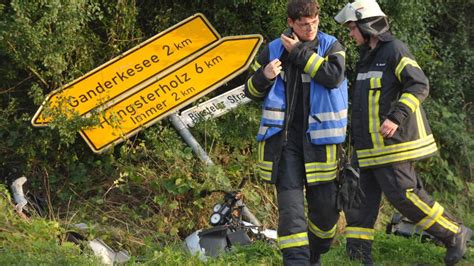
x=389 y=131
x=300 y=77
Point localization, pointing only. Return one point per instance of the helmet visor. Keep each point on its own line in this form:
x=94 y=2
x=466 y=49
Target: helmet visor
x=358 y=10
x=346 y=14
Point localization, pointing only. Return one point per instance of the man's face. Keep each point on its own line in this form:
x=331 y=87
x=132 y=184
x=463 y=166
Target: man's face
x=355 y=33
x=305 y=28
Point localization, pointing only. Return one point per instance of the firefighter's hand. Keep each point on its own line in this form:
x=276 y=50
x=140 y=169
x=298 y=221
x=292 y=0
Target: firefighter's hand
x=349 y=193
x=388 y=128
x=272 y=69
x=288 y=42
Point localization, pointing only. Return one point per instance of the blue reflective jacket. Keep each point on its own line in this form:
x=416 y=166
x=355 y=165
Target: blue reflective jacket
x=328 y=106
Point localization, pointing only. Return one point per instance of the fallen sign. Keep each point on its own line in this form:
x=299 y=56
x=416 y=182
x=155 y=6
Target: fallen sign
x=214 y=107
x=202 y=74
x=130 y=71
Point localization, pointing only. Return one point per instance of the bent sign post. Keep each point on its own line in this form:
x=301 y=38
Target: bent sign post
x=221 y=62
x=129 y=71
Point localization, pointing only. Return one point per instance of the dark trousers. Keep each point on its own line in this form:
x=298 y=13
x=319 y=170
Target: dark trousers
x=303 y=241
x=405 y=192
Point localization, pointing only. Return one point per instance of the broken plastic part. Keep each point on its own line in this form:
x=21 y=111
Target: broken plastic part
x=108 y=255
x=18 y=195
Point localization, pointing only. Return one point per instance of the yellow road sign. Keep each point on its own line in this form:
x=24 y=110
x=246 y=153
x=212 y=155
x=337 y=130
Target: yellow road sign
x=117 y=76
x=221 y=62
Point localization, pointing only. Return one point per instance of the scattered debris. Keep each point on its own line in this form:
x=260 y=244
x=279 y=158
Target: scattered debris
x=108 y=255
x=100 y=249
x=229 y=227
x=18 y=195
x=402 y=226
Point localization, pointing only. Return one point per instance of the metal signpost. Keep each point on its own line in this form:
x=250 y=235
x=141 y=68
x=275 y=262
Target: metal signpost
x=214 y=107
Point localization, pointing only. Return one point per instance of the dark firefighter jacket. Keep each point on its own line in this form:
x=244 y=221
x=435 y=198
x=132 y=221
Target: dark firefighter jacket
x=320 y=160
x=390 y=84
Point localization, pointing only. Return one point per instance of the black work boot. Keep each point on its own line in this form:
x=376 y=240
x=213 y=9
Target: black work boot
x=315 y=260
x=360 y=251
x=457 y=249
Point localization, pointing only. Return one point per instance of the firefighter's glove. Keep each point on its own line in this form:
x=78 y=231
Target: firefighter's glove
x=349 y=193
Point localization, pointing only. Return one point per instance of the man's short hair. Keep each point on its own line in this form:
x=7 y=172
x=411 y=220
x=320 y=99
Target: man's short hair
x=297 y=9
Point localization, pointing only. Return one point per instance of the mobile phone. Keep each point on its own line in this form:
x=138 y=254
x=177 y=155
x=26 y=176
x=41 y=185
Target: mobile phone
x=288 y=33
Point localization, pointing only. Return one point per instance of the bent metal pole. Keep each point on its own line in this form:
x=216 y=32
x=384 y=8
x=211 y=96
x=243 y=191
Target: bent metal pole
x=189 y=139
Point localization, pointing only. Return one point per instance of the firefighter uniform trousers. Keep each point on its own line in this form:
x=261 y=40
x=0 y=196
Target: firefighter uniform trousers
x=300 y=239
x=405 y=192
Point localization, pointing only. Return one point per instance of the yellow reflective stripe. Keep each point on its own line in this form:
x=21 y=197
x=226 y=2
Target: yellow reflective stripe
x=320 y=166
x=295 y=240
x=267 y=166
x=264 y=167
x=261 y=147
x=410 y=100
x=428 y=211
x=331 y=153
x=342 y=53
x=409 y=145
x=374 y=119
x=432 y=217
x=253 y=90
x=329 y=164
x=420 y=123
x=359 y=233
x=399 y=156
x=319 y=177
x=309 y=63
x=323 y=171
x=267 y=176
x=321 y=233
x=375 y=83
x=255 y=65
x=402 y=64
x=313 y=64
x=316 y=68
x=417 y=201
x=448 y=224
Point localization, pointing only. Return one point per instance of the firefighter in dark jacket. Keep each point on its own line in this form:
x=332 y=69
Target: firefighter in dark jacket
x=389 y=131
x=300 y=77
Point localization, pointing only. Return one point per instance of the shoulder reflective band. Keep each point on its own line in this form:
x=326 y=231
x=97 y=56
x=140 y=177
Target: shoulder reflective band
x=403 y=63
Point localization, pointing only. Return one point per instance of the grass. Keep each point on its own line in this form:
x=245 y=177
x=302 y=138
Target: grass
x=387 y=250
x=41 y=241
